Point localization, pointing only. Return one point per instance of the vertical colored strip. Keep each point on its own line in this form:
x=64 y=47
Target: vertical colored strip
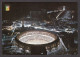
x=7 y=8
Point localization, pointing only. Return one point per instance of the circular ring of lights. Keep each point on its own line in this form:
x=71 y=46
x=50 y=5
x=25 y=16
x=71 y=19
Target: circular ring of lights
x=36 y=38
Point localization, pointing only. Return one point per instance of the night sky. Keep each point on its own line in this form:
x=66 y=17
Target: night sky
x=21 y=9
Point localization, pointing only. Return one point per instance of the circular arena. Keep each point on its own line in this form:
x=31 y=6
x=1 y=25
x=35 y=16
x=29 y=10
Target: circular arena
x=37 y=41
